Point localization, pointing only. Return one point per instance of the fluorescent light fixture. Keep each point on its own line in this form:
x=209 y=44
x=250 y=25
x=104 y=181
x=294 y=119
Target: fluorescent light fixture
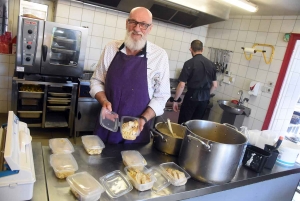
x=243 y=4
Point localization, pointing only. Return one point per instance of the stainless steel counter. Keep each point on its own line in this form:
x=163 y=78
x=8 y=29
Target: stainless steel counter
x=111 y=160
x=39 y=189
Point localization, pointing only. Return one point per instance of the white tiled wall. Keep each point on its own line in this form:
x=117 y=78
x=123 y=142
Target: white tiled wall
x=289 y=94
x=243 y=31
x=106 y=25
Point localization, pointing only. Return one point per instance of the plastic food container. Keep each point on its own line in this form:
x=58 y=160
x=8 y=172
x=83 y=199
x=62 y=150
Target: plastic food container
x=116 y=184
x=255 y=158
x=129 y=126
x=92 y=144
x=141 y=177
x=63 y=165
x=61 y=145
x=133 y=158
x=170 y=170
x=85 y=187
x=161 y=180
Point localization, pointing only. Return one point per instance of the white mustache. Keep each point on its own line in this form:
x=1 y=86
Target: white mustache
x=136 y=32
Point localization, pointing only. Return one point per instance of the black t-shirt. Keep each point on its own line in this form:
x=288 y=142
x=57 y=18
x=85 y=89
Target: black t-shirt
x=198 y=72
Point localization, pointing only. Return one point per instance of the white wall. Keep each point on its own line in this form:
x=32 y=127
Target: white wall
x=289 y=94
x=244 y=31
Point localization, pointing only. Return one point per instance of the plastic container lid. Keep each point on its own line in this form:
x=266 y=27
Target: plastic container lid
x=133 y=158
x=61 y=145
x=109 y=120
x=63 y=164
x=130 y=127
x=161 y=180
x=141 y=171
x=173 y=180
x=116 y=184
x=86 y=186
x=92 y=144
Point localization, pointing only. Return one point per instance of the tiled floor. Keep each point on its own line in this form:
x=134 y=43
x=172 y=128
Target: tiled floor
x=43 y=135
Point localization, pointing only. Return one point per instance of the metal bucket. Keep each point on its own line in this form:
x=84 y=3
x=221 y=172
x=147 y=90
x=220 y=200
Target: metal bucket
x=163 y=139
x=211 y=152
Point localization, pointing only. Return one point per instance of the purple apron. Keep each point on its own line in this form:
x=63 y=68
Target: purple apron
x=126 y=87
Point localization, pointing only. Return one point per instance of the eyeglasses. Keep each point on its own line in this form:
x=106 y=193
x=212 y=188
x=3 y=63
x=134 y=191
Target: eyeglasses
x=142 y=25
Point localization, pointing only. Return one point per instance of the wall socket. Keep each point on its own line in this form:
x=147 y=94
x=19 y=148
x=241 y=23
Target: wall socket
x=270 y=84
x=266 y=89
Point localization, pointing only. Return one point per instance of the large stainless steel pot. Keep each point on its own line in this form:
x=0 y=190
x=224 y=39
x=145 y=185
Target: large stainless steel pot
x=163 y=140
x=210 y=151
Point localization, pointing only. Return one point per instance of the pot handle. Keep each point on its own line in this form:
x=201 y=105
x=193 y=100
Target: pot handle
x=231 y=126
x=203 y=143
x=157 y=134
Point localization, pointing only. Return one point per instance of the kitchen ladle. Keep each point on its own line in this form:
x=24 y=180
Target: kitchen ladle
x=170 y=127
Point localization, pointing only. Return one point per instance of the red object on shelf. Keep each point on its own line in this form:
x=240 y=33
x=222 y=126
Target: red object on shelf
x=14 y=45
x=235 y=101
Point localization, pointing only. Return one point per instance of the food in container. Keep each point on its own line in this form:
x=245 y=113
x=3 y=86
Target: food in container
x=130 y=128
x=63 y=165
x=176 y=174
x=129 y=125
x=85 y=187
x=92 y=144
x=31 y=88
x=61 y=145
x=133 y=158
x=116 y=184
x=141 y=178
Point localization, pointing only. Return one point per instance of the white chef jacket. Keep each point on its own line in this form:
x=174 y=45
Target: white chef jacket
x=157 y=74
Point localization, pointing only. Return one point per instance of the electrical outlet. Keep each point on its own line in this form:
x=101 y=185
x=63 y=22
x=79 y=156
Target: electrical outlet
x=270 y=84
x=268 y=90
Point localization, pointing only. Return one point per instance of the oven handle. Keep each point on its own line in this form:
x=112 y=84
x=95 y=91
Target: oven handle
x=44 y=52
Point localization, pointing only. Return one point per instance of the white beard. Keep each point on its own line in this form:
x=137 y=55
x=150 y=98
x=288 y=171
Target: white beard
x=132 y=44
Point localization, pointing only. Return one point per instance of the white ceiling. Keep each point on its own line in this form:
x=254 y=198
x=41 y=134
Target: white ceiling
x=271 y=7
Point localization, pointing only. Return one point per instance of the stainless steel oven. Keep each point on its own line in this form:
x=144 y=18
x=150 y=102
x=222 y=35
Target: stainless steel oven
x=49 y=48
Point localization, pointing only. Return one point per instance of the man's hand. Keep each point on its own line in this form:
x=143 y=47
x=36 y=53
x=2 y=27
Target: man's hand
x=106 y=104
x=141 y=124
x=175 y=106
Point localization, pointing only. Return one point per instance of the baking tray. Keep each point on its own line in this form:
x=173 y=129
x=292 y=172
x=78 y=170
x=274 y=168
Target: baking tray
x=28 y=101
x=56 y=98
x=58 y=108
x=26 y=94
x=30 y=114
x=60 y=94
x=59 y=102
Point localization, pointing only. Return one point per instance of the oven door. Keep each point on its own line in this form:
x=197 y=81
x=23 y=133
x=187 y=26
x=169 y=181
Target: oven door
x=63 y=50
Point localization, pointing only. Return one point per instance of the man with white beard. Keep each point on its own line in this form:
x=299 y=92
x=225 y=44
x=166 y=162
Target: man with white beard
x=132 y=78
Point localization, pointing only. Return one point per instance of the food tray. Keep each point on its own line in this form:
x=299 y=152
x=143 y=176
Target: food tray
x=133 y=158
x=63 y=165
x=61 y=145
x=60 y=94
x=58 y=108
x=92 y=144
x=116 y=184
x=140 y=187
x=30 y=114
x=85 y=187
x=56 y=98
x=174 y=166
x=27 y=101
x=26 y=94
x=63 y=51
x=59 y=102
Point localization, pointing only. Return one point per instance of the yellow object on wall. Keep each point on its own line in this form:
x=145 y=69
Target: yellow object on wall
x=253 y=50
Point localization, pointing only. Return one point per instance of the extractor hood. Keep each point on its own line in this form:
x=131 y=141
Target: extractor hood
x=208 y=11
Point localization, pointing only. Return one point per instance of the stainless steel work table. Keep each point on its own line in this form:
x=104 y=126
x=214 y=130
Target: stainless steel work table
x=39 y=189
x=111 y=160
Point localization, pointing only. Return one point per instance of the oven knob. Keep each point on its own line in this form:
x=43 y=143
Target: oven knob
x=27 y=59
x=30 y=31
x=28 y=47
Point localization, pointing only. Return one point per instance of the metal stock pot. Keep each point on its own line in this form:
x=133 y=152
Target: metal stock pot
x=210 y=151
x=163 y=139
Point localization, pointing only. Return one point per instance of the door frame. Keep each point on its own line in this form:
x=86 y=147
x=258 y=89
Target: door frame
x=282 y=74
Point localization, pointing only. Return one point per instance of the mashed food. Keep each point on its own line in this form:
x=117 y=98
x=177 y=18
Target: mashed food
x=139 y=176
x=130 y=130
x=176 y=174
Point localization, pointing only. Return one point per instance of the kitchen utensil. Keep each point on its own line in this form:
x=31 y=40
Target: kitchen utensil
x=255 y=158
x=163 y=139
x=170 y=127
x=210 y=151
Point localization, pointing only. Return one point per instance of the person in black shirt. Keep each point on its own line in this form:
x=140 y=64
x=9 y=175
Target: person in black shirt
x=199 y=74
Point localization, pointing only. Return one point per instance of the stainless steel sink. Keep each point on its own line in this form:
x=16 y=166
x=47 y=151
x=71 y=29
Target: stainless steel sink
x=232 y=108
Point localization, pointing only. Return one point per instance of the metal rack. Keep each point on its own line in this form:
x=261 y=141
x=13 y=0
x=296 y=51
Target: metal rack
x=48 y=118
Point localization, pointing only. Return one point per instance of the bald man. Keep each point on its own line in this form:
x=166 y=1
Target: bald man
x=132 y=78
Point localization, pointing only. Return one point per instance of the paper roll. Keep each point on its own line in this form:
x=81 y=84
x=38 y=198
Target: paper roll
x=249 y=50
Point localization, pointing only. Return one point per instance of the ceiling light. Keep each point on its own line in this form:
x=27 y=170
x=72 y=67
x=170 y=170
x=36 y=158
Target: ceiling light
x=243 y=4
